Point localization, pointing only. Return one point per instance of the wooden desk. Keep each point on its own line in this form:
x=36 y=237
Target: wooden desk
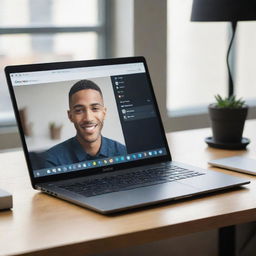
x=43 y=225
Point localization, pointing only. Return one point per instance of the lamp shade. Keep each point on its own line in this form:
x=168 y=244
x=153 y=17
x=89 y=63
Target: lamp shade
x=223 y=10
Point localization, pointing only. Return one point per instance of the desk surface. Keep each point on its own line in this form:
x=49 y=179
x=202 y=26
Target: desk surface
x=40 y=224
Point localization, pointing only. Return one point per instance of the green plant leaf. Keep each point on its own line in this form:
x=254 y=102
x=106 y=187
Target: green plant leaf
x=229 y=102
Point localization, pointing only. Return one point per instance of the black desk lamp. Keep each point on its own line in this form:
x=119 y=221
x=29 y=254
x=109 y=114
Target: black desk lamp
x=224 y=10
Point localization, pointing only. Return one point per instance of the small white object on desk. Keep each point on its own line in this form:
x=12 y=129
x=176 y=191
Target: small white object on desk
x=5 y=200
x=236 y=163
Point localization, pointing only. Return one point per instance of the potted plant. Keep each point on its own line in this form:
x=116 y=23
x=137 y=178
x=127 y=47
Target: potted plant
x=227 y=117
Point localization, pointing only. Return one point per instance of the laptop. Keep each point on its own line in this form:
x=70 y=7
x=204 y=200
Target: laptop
x=236 y=163
x=92 y=135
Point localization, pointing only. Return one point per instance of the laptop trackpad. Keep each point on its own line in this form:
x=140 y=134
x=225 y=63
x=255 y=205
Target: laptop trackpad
x=140 y=196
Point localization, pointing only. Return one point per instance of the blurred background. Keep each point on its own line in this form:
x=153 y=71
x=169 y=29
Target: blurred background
x=186 y=59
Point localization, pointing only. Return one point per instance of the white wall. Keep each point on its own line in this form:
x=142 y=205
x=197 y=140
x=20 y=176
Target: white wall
x=122 y=28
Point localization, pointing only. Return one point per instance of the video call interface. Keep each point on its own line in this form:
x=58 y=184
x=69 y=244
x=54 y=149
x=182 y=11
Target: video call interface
x=139 y=124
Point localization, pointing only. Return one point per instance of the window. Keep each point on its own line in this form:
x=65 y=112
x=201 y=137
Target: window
x=48 y=30
x=197 y=59
x=245 y=61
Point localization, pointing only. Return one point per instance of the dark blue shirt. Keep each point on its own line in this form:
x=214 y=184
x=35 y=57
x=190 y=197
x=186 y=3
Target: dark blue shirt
x=71 y=151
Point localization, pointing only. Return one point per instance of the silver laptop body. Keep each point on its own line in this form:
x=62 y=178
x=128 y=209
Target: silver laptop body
x=92 y=135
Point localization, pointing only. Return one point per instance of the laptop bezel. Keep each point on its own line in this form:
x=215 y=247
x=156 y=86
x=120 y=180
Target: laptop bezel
x=77 y=64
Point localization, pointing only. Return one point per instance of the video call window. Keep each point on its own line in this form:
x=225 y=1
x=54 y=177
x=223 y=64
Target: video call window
x=78 y=124
x=88 y=113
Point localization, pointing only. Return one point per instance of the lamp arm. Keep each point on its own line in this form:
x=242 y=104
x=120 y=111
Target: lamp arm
x=230 y=83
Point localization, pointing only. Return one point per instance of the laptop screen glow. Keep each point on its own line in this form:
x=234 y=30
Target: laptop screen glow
x=88 y=117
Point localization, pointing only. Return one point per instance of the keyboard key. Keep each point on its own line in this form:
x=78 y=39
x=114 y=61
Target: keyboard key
x=119 y=182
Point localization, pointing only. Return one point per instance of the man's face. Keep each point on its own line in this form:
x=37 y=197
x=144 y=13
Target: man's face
x=87 y=112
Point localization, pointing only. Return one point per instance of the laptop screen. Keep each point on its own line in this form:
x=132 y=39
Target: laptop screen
x=81 y=118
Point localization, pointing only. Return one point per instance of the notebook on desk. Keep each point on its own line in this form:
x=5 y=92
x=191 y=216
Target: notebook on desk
x=92 y=135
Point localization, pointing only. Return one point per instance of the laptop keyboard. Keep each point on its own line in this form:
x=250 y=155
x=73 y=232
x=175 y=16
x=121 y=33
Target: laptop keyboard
x=139 y=178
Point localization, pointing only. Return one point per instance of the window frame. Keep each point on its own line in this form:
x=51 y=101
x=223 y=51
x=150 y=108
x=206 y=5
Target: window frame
x=7 y=118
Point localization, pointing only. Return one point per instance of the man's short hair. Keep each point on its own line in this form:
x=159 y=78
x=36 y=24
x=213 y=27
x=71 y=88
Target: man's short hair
x=83 y=85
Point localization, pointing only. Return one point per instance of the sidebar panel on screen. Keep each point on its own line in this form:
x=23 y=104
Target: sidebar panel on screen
x=137 y=112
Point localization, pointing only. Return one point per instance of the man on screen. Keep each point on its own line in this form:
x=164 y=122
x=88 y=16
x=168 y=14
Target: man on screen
x=87 y=112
